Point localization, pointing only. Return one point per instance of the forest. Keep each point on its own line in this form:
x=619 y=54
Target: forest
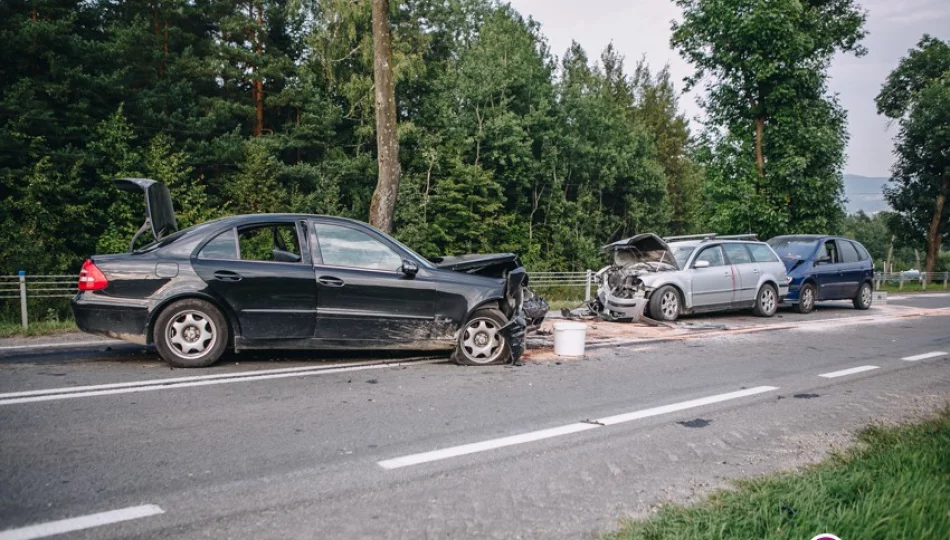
x=504 y=145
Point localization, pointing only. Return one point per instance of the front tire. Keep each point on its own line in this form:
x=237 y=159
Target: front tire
x=481 y=341
x=665 y=304
x=766 y=302
x=806 y=299
x=190 y=333
x=865 y=297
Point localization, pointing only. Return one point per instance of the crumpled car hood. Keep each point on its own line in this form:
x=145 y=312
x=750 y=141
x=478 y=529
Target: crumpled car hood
x=646 y=250
x=491 y=264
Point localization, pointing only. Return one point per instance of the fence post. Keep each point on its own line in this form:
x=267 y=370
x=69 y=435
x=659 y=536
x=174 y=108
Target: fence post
x=587 y=280
x=946 y=275
x=900 y=285
x=24 y=319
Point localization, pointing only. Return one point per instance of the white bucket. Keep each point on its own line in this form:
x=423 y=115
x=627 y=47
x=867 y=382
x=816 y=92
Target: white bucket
x=569 y=338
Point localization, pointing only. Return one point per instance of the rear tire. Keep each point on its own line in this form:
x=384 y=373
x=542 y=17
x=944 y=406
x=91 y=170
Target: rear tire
x=190 y=333
x=480 y=341
x=665 y=304
x=766 y=301
x=806 y=298
x=865 y=296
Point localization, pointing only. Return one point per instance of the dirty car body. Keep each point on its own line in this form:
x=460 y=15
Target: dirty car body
x=296 y=281
x=650 y=277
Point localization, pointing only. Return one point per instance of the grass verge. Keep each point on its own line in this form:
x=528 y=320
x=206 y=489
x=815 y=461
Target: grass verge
x=894 y=484
x=39 y=328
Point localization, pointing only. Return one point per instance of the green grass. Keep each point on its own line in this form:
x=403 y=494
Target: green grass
x=38 y=328
x=894 y=484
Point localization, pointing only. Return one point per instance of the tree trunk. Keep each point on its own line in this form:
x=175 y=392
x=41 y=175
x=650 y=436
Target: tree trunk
x=258 y=90
x=935 y=236
x=759 y=157
x=383 y=204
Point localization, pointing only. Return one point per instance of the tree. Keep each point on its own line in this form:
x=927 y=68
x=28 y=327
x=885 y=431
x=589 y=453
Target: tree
x=771 y=129
x=383 y=204
x=917 y=94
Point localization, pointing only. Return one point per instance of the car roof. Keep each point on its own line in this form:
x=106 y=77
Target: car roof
x=712 y=242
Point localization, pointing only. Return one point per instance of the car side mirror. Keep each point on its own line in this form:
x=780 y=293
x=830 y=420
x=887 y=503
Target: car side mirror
x=409 y=268
x=701 y=264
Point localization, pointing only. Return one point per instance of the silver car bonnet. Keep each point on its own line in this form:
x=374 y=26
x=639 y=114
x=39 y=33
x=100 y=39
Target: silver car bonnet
x=647 y=249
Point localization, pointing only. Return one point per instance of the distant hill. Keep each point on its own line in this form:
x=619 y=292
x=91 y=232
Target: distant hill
x=864 y=193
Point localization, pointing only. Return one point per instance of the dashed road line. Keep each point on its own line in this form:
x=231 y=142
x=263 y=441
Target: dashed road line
x=850 y=371
x=924 y=356
x=532 y=436
x=62 y=526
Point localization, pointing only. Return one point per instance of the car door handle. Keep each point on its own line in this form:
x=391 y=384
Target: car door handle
x=227 y=275
x=330 y=281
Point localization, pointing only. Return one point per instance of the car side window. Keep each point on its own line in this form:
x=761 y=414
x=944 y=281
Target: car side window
x=348 y=247
x=761 y=253
x=221 y=247
x=831 y=252
x=276 y=242
x=737 y=253
x=862 y=253
x=712 y=255
x=848 y=253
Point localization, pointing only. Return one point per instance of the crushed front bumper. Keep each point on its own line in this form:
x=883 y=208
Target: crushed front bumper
x=622 y=308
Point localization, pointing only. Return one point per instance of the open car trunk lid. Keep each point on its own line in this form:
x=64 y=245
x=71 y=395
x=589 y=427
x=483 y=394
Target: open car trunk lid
x=642 y=248
x=159 y=212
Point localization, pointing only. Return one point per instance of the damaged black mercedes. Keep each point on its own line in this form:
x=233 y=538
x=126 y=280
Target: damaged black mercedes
x=298 y=281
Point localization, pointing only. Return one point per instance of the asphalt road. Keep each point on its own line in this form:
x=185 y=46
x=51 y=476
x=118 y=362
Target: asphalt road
x=282 y=446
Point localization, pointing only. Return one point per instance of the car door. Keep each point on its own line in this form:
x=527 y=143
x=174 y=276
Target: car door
x=261 y=271
x=746 y=271
x=851 y=270
x=711 y=285
x=827 y=270
x=363 y=296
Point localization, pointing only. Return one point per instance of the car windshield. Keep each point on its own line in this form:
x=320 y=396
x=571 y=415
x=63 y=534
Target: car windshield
x=794 y=248
x=681 y=254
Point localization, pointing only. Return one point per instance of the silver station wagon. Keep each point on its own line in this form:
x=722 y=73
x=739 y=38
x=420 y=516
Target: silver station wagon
x=666 y=278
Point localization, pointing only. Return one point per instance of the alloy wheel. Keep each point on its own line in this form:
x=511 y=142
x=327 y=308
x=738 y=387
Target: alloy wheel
x=767 y=300
x=190 y=334
x=482 y=342
x=670 y=305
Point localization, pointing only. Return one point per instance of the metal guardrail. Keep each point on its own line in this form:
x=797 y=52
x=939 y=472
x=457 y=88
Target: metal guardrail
x=25 y=287
x=900 y=278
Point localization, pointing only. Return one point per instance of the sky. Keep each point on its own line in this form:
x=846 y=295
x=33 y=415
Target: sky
x=640 y=28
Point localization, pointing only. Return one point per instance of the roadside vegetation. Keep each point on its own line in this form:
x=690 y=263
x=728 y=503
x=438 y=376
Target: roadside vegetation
x=895 y=483
x=37 y=328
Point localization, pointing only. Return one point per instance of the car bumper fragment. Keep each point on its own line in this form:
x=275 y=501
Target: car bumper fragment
x=120 y=322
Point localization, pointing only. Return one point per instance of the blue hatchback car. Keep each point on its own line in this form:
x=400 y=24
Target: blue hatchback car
x=825 y=268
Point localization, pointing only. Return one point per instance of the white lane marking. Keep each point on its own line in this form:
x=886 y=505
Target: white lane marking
x=666 y=409
x=924 y=356
x=492 y=444
x=472 y=448
x=851 y=371
x=35 y=399
x=52 y=528
x=175 y=380
x=58 y=345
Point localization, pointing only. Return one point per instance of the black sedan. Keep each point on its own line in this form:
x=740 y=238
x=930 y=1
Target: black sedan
x=295 y=281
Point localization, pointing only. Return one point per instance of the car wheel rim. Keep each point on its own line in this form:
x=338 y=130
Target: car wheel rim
x=807 y=298
x=768 y=301
x=482 y=341
x=866 y=295
x=191 y=334
x=670 y=305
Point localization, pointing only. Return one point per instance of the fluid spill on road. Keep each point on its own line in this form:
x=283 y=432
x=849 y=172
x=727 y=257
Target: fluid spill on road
x=697 y=423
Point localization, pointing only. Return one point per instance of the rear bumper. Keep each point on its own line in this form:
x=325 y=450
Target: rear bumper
x=111 y=318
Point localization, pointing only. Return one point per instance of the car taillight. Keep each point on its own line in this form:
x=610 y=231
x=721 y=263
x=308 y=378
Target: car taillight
x=91 y=278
